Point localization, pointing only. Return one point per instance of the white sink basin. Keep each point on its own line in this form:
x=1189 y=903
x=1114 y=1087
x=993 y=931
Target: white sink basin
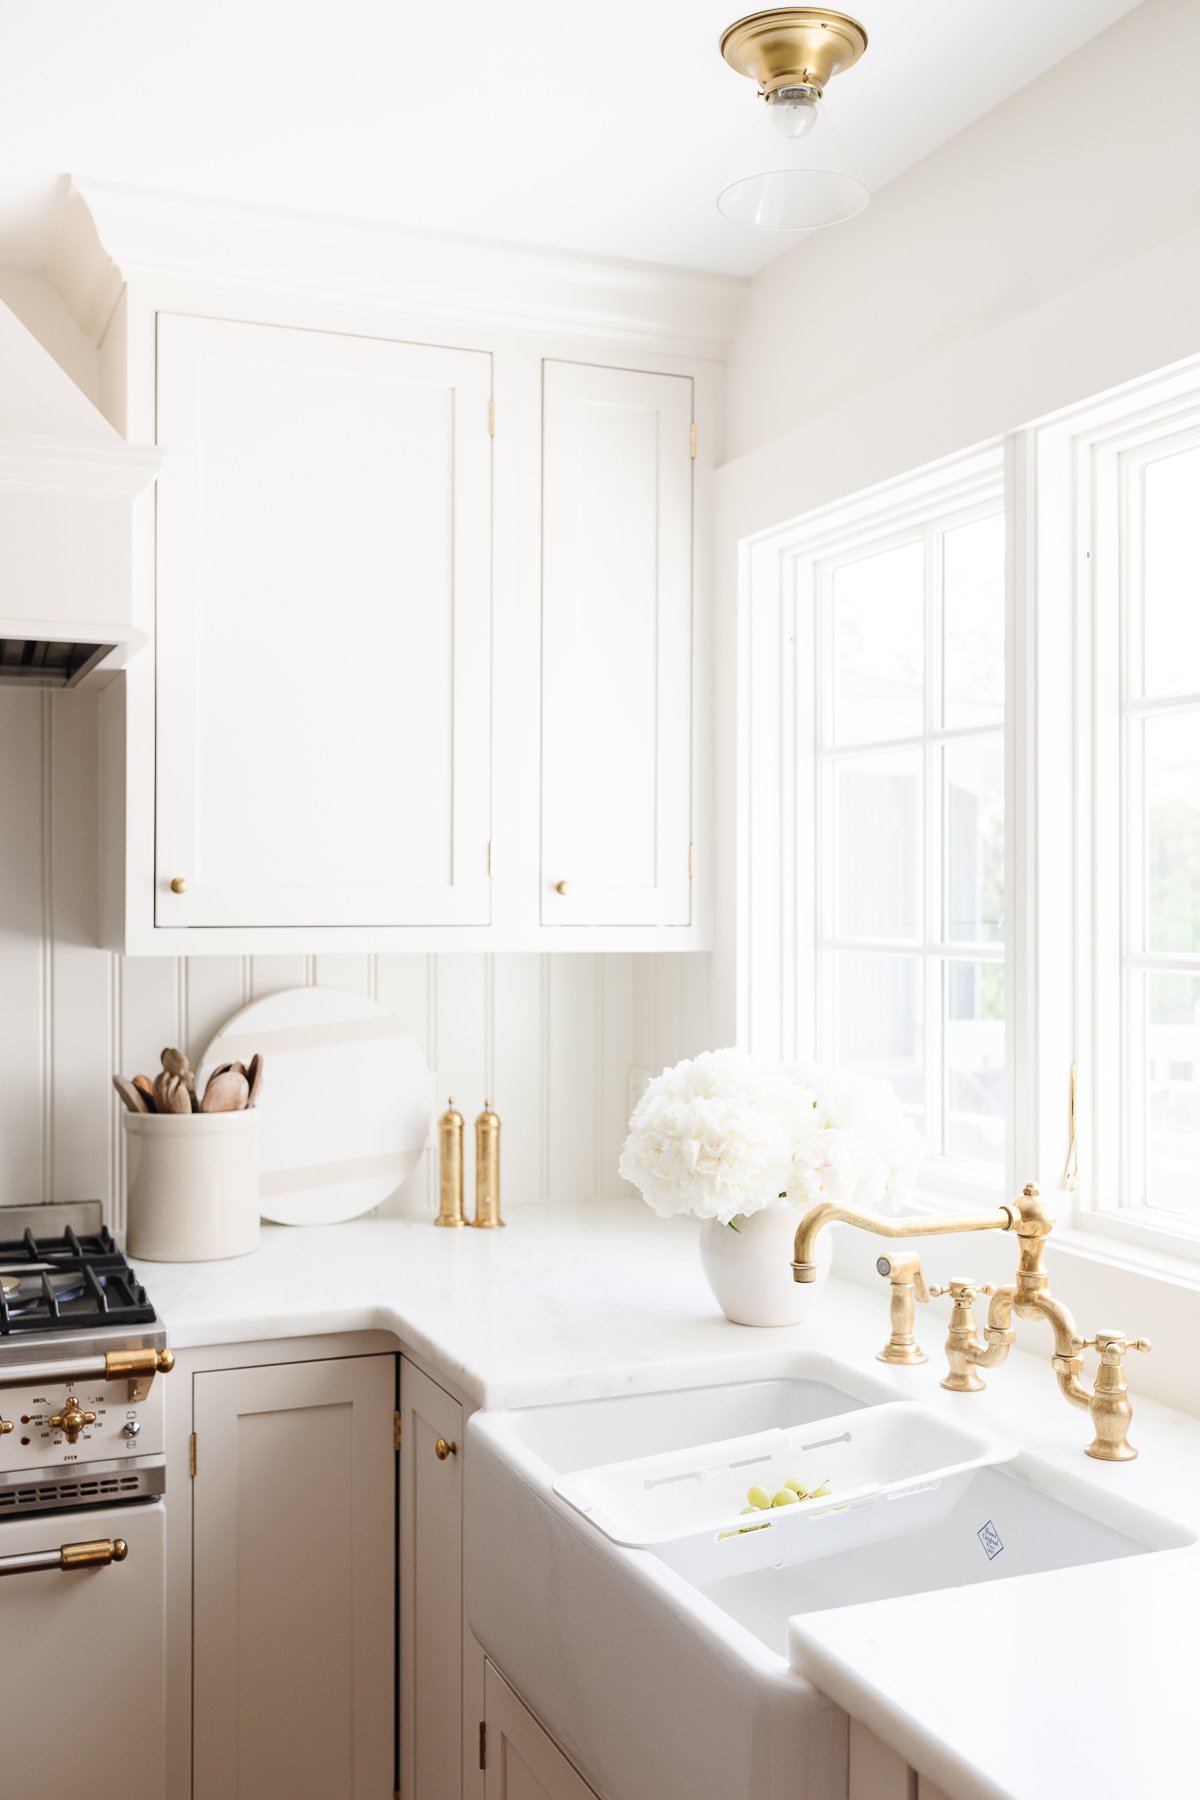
x=662 y=1682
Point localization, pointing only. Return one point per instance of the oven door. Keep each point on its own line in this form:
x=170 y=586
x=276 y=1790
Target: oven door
x=82 y=1653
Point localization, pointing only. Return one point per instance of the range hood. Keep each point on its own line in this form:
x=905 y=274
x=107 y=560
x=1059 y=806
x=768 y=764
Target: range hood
x=68 y=483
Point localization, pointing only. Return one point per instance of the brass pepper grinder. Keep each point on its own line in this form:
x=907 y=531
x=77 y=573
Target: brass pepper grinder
x=450 y=1167
x=487 y=1170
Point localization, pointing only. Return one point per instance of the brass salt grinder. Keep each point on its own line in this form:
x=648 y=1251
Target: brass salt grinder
x=450 y=1167
x=487 y=1170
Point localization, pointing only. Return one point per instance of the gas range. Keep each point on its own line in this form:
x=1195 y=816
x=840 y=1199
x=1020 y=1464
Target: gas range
x=81 y=1348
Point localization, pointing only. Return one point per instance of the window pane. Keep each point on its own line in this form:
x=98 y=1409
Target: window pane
x=877 y=822
x=1173 y=1093
x=974 y=842
x=1172 y=574
x=880 y=1028
x=974 y=999
x=879 y=646
x=1172 y=765
x=973 y=623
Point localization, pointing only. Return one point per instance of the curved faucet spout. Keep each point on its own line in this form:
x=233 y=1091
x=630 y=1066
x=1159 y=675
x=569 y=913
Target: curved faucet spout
x=804 y=1267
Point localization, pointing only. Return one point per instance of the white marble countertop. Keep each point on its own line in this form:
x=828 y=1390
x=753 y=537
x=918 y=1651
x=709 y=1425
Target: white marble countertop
x=1074 y=1683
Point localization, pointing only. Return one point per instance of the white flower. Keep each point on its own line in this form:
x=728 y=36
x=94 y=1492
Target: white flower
x=873 y=1150
x=715 y=1137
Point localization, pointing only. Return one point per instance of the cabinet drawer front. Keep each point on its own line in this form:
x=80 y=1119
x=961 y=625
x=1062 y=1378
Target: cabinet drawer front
x=323 y=623
x=616 y=647
x=294 y=1581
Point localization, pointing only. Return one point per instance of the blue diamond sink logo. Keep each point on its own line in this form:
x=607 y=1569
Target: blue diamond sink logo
x=991 y=1540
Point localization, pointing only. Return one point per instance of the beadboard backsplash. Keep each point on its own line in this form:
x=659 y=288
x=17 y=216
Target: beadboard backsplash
x=550 y=1040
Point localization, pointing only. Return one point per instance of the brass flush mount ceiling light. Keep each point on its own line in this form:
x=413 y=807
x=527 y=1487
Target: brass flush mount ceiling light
x=792 y=173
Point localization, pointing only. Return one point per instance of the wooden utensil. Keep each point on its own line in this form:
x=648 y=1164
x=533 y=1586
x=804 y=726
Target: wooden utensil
x=133 y=1097
x=254 y=1077
x=170 y=1095
x=145 y=1088
x=227 y=1090
x=176 y=1063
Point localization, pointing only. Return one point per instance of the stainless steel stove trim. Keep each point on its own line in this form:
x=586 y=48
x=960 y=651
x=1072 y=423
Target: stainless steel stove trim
x=63 y=1350
x=84 y=1217
x=83 y=1484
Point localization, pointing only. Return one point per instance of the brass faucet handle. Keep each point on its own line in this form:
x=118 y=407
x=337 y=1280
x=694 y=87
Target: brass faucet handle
x=1112 y=1345
x=963 y=1293
x=902 y=1269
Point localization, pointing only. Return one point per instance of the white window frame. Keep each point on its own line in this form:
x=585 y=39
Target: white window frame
x=1062 y=934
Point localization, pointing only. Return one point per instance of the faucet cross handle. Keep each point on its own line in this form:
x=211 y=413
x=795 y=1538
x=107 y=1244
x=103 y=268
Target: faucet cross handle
x=1112 y=1345
x=963 y=1293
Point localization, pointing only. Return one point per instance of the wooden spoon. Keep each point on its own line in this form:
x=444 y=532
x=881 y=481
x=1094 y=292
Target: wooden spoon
x=145 y=1088
x=227 y=1090
x=170 y=1095
x=254 y=1077
x=176 y=1063
x=133 y=1097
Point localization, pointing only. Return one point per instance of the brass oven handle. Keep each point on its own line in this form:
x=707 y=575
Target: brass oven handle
x=97 y=1553
x=116 y=1365
x=445 y=1447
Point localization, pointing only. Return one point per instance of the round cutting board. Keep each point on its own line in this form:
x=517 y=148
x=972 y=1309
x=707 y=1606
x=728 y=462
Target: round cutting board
x=346 y=1102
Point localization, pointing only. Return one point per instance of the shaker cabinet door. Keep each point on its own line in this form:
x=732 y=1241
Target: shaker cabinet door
x=431 y=1590
x=521 y=1761
x=616 y=646
x=294 y=1570
x=323 y=629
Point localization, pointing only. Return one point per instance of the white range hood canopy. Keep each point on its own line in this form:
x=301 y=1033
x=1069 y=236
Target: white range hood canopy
x=68 y=483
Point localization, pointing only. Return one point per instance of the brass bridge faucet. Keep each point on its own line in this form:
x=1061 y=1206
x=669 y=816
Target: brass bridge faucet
x=1028 y=1297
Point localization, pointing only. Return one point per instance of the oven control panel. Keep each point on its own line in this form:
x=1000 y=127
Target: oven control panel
x=52 y=1425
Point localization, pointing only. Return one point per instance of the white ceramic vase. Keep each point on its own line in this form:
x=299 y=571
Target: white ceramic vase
x=750 y=1270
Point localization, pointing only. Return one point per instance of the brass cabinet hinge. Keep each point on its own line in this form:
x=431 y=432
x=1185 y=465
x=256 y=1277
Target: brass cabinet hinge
x=692 y=440
x=691 y=862
x=192 y=1456
x=397 y=1430
x=491 y=418
x=483 y=1743
x=489 y=856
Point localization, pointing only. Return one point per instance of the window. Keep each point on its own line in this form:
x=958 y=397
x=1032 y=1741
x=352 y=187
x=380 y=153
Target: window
x=1138 y=678
x=970 y=807
x=909 y=853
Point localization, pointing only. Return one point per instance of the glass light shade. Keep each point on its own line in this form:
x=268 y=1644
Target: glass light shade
x=783 y=183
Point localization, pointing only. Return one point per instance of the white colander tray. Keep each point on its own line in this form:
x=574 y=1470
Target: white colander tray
x=866 y=1457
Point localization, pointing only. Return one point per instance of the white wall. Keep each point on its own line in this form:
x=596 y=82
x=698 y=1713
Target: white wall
x=1047 y=253
x=550 y=1039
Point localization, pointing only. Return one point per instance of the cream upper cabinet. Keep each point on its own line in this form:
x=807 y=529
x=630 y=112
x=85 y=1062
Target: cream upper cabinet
x=616 y=646
x=322 y=753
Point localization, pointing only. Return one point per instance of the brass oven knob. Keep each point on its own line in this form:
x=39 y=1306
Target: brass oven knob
x=444 y=1448
x=5 y=1425
x=71 y=1420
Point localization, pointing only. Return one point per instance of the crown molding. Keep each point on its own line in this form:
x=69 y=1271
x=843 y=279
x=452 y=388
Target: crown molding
x=48 y=465
x=109 y=235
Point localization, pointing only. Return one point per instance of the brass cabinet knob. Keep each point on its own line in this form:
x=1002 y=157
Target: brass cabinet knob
x=71 y=1420
x=444 y=1448
x=179 y=885
x=562 y=887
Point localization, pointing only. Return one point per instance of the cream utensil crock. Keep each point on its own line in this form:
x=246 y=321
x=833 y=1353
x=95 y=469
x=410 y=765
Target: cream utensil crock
x=191 y=1185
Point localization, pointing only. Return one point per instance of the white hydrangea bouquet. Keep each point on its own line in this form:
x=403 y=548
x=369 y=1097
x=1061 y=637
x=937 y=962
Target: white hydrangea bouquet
x=727 y=1138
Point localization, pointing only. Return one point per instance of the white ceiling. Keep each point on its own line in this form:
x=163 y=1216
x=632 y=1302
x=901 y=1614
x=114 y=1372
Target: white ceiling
x=535 y=121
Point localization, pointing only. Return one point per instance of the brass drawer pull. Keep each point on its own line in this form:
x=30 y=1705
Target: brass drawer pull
x=96 y=1554
x=445 y=1447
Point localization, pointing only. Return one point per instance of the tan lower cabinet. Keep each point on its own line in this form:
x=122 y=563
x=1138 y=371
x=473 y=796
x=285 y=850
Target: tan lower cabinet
x=432 y=1634
x=520 y=1761
x=293 y=1623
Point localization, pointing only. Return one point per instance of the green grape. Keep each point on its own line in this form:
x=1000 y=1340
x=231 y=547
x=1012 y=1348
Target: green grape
x=760 y=1498
x=784 y=1497
x=798 y=1488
